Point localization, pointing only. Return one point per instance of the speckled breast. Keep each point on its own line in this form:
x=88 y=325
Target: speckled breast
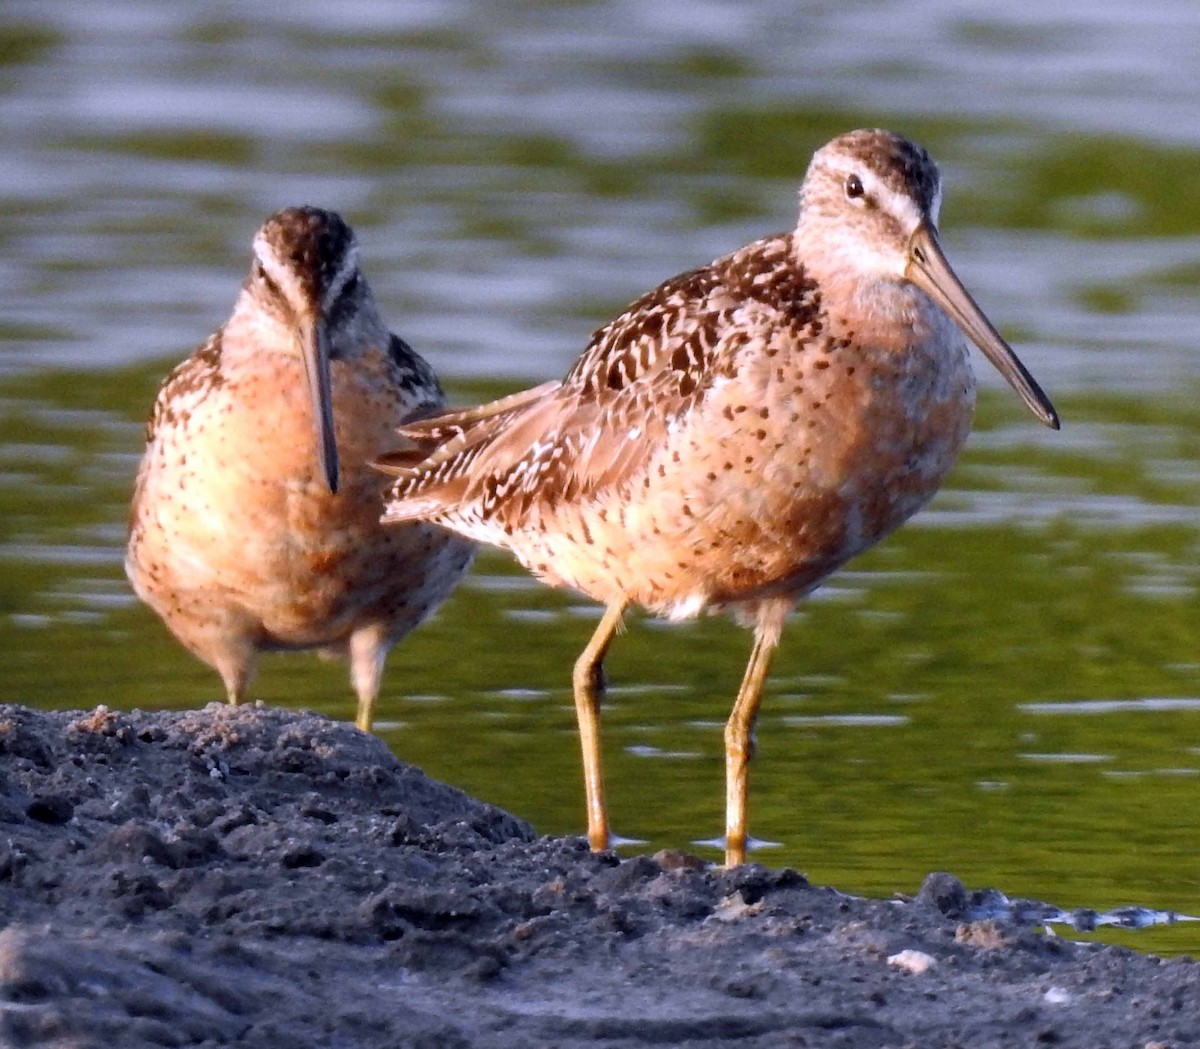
x=784 y=473
x=234 y=505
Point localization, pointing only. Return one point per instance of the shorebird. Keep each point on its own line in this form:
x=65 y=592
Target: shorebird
x=246 y=537
x=735 y=435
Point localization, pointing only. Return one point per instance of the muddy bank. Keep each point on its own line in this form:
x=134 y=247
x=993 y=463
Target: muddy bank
x=254 y=877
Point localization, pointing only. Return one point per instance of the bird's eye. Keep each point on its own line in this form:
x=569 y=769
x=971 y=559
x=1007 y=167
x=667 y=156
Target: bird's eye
x=258 y=271
x=854 y=187
x=351 y=286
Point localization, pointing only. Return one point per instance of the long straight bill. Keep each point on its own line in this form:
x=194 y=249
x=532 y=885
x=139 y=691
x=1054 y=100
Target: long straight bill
x=929 y=271
x=314 y=348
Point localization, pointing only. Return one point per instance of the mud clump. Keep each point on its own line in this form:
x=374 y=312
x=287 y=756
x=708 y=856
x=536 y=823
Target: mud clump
x=256 y=877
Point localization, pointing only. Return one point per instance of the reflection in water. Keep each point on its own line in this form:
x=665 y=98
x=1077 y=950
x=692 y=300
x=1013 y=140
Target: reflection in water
x=1111 y=706
x=851 y=720
x=517 y=174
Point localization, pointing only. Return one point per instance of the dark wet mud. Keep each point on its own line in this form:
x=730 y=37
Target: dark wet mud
x=255 y=877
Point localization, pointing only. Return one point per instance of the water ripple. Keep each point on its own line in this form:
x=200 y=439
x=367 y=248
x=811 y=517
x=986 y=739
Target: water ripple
x=1111 y=706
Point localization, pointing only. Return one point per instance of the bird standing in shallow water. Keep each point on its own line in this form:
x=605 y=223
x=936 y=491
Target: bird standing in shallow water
x=735 y=435
x=243 y=536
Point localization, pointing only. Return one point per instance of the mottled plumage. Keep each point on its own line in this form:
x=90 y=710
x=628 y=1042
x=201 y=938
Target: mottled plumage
x=237 y=538
x=735 y=435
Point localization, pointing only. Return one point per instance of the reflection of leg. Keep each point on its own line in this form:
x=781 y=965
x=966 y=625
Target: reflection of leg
x=739 y=732
x=588 y=683
x=369 y=647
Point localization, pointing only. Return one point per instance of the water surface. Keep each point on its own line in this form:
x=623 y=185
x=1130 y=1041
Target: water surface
x=1008 y=689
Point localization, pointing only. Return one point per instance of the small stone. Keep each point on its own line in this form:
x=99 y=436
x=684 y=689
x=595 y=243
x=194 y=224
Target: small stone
x=986 y=933
x=677 y=859
x=734 y=907
x=945 y=893
x=912 y=961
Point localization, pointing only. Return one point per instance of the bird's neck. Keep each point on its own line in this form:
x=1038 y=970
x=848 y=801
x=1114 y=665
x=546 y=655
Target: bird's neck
x=259 y=326
x=857 y=297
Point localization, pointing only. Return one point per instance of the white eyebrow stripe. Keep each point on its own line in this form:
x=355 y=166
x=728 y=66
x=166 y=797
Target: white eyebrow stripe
x=899 y=204
x=284 y=275
x=348 y=268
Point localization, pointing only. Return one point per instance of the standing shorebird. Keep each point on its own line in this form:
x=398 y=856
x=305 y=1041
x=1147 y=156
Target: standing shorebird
x=243 y=538
x=735 y=435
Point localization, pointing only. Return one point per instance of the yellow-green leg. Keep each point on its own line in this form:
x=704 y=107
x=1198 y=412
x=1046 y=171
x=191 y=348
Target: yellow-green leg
x=588 y=686
x=739 y=742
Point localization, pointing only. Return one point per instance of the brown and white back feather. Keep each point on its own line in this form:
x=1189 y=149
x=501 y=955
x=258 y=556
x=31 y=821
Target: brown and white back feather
x=640 y=375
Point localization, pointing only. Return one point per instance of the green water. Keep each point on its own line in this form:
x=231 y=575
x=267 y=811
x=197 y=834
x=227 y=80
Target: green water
x=1008 y=689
